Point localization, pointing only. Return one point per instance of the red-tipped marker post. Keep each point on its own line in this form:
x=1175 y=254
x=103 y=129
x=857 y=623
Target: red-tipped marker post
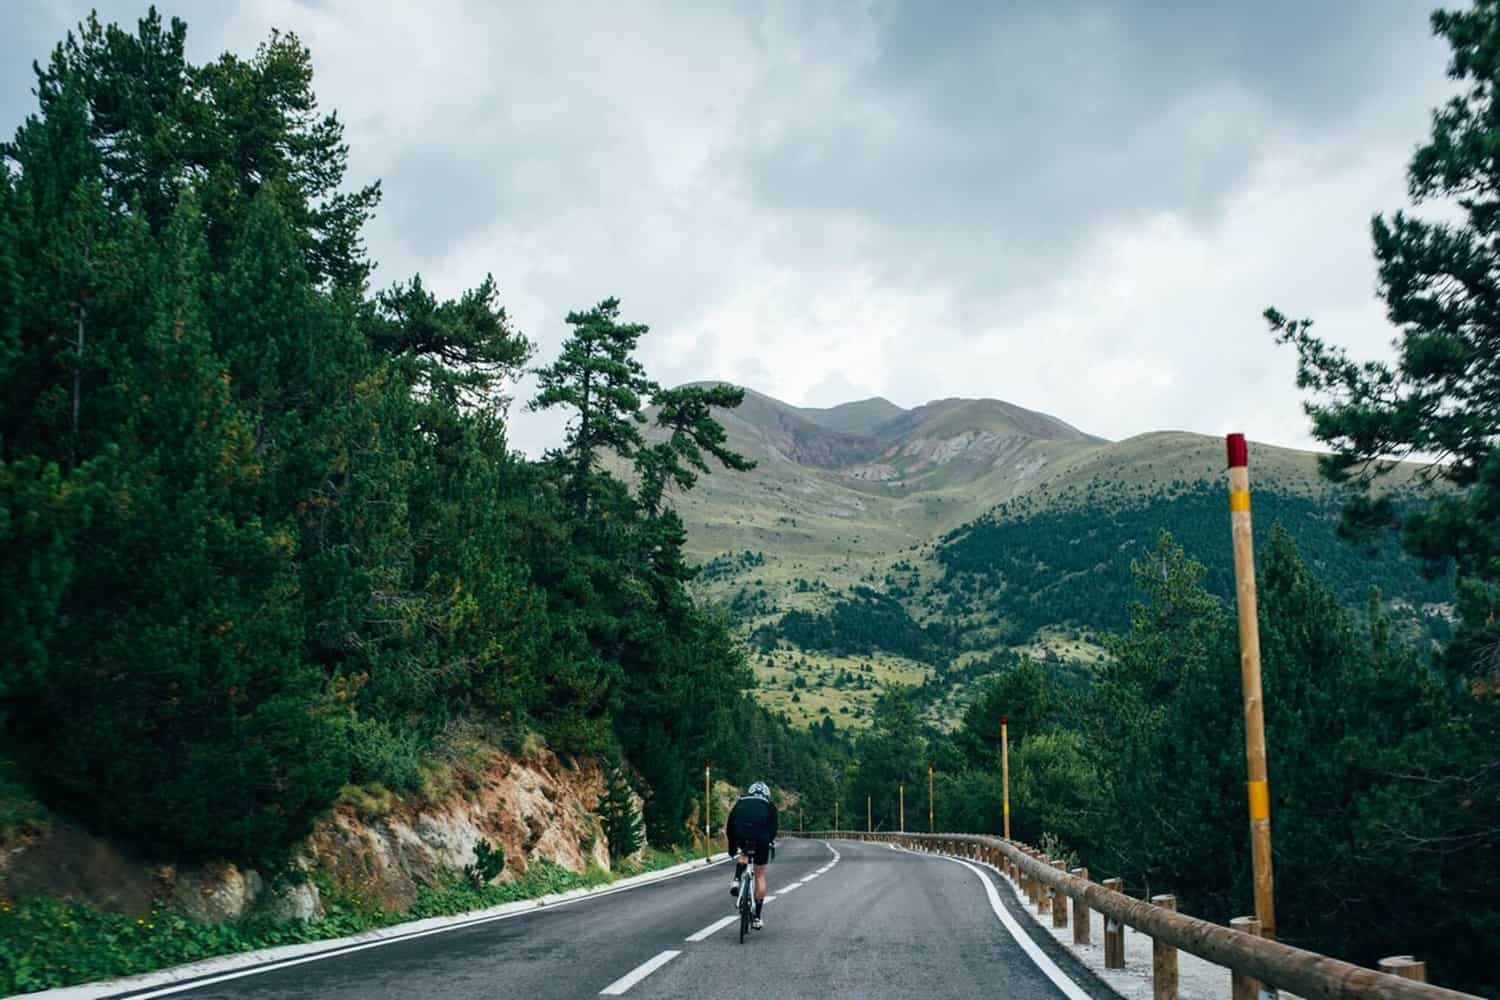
x=1257 y=789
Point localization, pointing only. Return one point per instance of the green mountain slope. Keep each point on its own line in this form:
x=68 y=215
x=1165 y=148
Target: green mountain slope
x=873 y=543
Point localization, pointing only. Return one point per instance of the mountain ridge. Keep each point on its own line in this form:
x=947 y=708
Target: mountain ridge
x=868 y=498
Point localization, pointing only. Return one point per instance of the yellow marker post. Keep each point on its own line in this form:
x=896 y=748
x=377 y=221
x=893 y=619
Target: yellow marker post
x=1258 y=789
x=1005 y=771
x=930 y=827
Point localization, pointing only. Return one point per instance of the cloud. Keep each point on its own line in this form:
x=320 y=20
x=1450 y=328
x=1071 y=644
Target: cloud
x=1081 y=207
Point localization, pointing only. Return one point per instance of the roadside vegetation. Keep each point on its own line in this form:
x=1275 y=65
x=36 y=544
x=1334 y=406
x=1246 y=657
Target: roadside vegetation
x=46 y=942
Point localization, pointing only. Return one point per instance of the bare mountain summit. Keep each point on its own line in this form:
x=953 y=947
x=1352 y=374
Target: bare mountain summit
x=863 y=481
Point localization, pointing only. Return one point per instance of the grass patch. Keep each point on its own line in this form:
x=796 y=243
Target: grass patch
x=46 y=943
x=371 y=801
x=655 y=859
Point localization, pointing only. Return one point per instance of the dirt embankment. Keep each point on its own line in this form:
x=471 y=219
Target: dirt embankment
x=379 y=848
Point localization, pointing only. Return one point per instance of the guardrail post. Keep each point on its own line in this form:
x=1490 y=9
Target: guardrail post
x=1059 y=900
x=1080 y=911
x=1163 y=959
x=1043 y=893
x=1114 y=932
x=1242 y=987
x=1405 y=966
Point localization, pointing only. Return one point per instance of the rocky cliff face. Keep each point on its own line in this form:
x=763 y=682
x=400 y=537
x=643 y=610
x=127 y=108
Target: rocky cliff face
x=539 y=808
x=542 y=808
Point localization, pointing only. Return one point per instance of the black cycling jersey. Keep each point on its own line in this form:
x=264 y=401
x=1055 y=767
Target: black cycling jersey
x=752 y=821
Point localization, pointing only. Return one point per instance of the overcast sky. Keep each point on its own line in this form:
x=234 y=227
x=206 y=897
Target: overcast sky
x=1081 y=208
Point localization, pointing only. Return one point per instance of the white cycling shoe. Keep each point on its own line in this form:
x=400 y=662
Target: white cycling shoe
x=756 y=924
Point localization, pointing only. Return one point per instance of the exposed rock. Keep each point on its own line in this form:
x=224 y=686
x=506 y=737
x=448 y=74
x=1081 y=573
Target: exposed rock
x=295 y=902
x=532 y=809
x=213 y=892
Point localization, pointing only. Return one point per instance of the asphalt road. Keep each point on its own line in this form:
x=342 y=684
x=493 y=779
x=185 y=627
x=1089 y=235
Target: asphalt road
x=845 y=919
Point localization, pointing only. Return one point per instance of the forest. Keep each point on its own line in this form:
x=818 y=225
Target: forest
x=1382 y=767
x=264 y=535
x=1071 y=565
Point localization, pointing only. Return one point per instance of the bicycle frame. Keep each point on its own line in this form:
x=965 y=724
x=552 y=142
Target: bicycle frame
x=747 y=891
x=747 y=882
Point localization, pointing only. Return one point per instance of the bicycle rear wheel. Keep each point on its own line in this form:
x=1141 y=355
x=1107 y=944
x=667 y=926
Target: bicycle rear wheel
x=747 y=886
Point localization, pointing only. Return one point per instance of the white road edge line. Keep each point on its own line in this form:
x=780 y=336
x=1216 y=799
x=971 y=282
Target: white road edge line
x=713 y=928
x=635 y=975
x=336 y=947
x=1043 y=961
x=789 y=888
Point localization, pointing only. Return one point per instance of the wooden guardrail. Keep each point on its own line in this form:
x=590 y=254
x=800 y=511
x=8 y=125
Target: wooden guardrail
x=1251 y=959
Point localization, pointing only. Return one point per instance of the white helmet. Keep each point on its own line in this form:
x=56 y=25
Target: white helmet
x=760 y=791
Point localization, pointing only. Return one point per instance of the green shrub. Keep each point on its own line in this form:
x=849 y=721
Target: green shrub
x=383 y=755
x=488 y=863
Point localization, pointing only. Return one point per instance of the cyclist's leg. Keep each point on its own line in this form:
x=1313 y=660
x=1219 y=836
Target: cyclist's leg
x=740 y=862
x=762 y=861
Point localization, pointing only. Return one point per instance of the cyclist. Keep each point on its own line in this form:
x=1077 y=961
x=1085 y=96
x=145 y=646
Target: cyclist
x=752 y=826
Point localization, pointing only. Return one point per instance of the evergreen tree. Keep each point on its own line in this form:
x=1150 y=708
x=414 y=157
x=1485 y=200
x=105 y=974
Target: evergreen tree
x=619 y=816
x=1439 y=401
x=597 y=377
x=686 y=414
x=1441 y=397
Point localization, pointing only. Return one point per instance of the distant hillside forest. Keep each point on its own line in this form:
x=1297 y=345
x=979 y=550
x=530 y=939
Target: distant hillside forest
x=1071 y=566
x=1020 y=569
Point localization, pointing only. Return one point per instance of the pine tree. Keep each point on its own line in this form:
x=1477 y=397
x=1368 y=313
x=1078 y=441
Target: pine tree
x=1441 y=397
x=686 y=415
x=619 y=817
x=596 y=376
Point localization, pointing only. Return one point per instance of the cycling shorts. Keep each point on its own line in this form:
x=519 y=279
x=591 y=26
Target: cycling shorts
x=759 y=850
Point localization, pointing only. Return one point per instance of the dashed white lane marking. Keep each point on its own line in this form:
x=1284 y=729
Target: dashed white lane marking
x=713 y=928
x=719 y=925
x=1043 y=961
x=635 y=975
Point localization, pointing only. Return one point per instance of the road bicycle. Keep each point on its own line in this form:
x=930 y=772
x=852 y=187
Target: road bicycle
x=747 y=890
